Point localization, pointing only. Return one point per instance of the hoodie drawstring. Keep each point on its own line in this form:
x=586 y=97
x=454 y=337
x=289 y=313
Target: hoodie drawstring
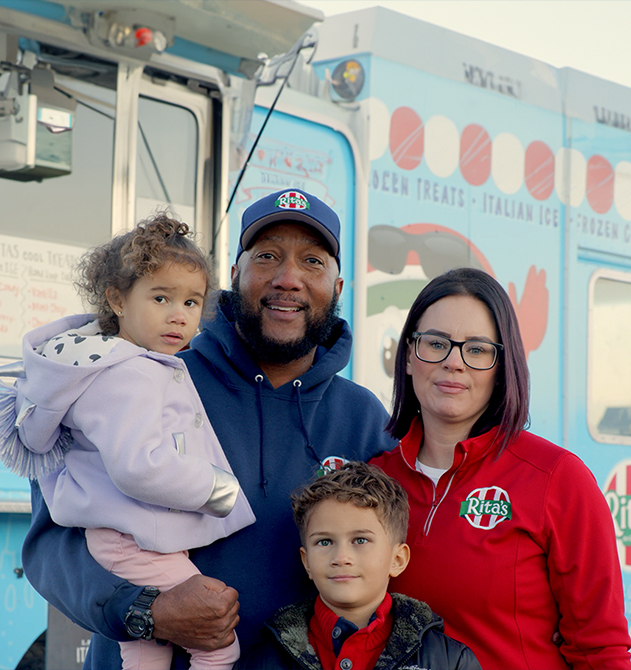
x=259 y=387
x=308 y=445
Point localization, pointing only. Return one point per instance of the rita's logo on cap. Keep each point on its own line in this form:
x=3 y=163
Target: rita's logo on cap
x=486 y=507
x=292 y=200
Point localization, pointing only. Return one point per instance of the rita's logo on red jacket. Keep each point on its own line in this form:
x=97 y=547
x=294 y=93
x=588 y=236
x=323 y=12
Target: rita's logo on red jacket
x=486 y=507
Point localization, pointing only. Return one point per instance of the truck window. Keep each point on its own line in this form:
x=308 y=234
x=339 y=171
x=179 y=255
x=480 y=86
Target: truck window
x=166 y=160
x=72 y=209
x=609 y=374
x=47 y=225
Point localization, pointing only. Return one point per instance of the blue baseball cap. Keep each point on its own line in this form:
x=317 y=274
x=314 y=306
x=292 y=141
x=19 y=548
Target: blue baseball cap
x=291 y=205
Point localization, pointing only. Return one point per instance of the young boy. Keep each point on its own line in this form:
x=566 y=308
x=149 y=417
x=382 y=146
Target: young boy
x=353 y=524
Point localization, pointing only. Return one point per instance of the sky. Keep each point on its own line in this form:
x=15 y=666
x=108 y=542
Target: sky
x=593 y=36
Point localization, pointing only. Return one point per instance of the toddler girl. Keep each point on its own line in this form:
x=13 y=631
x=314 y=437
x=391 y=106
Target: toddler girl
x=110 y=423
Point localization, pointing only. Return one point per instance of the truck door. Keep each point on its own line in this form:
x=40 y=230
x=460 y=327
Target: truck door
x=48 y=224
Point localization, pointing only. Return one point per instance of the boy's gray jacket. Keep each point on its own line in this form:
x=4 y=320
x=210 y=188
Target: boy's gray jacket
x=142 y=446
x=417 y=642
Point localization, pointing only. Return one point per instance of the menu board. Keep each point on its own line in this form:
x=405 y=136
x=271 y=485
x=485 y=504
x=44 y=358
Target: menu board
x=36 y=287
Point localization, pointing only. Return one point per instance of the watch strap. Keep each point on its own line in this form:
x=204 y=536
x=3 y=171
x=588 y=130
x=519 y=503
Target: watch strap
x=146 y=597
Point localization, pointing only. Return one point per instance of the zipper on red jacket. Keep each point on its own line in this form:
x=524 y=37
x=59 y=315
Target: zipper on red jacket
x=436 y=503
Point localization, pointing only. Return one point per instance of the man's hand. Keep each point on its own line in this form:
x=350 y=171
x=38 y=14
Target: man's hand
x=200 y=613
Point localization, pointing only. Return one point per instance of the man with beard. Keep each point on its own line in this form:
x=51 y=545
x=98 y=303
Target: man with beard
x=266 y=368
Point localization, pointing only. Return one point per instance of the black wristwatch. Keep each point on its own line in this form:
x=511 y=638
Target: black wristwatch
x=138 y=620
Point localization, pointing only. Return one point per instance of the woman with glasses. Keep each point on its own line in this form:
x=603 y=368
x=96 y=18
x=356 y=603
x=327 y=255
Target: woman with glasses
x=512 y=541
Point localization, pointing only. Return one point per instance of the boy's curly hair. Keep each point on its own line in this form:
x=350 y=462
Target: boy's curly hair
x=361 y=485
x=129 y=256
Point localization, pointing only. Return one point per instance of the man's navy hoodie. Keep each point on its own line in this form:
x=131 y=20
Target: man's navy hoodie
x=274 y=440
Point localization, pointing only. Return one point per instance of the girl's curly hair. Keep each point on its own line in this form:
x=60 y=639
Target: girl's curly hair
x=129 y=256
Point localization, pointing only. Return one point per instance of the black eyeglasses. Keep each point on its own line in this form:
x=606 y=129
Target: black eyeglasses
x=476 y=354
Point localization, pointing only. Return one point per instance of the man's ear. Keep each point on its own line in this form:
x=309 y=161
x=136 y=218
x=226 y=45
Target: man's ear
x=234 y=271
x=114 y=299
x=339 y=285
x=305 y=561
x=400 y=559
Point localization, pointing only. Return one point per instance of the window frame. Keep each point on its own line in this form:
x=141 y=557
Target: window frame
x=592 y=421
x=132 y=85
x=201 y=107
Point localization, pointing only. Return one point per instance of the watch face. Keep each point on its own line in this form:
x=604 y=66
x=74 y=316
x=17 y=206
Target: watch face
x=139 y=624
x=138 y=621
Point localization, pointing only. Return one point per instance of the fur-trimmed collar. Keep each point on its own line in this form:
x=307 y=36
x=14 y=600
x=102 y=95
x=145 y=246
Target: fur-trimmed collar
x=290 y=626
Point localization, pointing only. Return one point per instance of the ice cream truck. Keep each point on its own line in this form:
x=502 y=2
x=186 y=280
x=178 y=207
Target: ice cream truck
x=435 y=149
x=109 y=110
